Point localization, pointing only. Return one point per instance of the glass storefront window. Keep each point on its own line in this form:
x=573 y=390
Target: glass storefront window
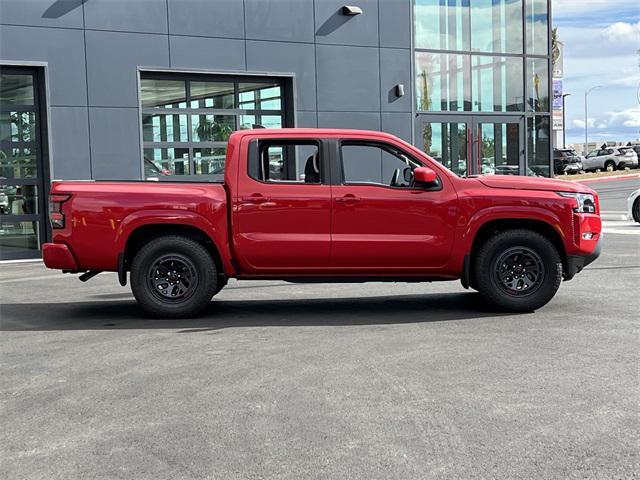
x=21 y=182
x=164 y=128
x=446 y=143
x=442 y=25
x=538 y=85
x=19 y=236
x=259 y=96
x=18 y=162
x=163 y=93
x=443 y=82
x=17 y=126
x=172 y=160
x=205 y=110
x=212 y=95
x=209 y=161
x=538 y=138
x=267 y=121
x=212 y=128
x=497 y=84
x=496 y=26
x=537 y=17
x=499 y=148
x=16 y=89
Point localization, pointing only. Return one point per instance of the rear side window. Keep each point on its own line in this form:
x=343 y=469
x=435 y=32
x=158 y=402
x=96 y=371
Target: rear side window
x=286 y=161
x=376 y=163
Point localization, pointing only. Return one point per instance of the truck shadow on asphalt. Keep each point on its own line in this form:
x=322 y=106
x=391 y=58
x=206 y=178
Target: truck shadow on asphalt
x=380 y=310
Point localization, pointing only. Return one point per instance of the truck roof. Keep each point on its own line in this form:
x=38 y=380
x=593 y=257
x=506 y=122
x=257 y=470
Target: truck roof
x=310 y=132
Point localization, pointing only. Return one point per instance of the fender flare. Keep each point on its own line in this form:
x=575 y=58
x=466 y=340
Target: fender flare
x=143 y=218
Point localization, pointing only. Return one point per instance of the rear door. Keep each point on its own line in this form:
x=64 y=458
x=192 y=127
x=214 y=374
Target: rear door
x=283 y=208
x=383 y=224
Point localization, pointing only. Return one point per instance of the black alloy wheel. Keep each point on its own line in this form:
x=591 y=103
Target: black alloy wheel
x=519 y=271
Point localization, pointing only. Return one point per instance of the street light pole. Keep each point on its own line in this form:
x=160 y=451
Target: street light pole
x=564 y=123
x=586 y=118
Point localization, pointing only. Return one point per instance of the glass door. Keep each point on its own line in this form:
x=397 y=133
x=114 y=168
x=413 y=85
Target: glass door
x=499 y=146
x=473 y=145
x=446 y=139
x=22 y=201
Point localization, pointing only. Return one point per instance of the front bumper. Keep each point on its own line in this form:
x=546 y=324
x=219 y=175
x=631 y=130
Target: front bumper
x=58 y=256
x=576 y=263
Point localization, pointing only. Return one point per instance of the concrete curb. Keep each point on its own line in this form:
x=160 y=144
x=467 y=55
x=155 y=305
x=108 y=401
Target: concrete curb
x=609 y=178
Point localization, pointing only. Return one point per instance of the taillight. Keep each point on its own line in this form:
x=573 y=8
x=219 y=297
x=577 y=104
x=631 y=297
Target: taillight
x=56 y=216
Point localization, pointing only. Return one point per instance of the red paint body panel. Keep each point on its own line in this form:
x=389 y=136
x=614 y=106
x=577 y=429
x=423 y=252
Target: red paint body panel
x=287 y=230
x=58 y=256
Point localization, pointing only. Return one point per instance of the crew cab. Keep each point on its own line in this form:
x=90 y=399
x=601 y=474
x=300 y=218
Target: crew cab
x=324 y=205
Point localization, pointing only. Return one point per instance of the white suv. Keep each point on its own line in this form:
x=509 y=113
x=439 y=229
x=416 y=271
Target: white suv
x=610 y=159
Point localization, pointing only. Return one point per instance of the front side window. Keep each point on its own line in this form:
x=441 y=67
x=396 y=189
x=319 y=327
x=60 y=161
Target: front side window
x=187 y=119
x=377 y=164
x=290 y=161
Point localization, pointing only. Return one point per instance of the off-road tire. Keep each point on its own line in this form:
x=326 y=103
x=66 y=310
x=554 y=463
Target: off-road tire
x=200 y=266
x=486 y=276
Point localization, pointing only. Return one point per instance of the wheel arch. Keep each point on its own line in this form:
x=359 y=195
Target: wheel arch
x=491 y=227
x=143 y=234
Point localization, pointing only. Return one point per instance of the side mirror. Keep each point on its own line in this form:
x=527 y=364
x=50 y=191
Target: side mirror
x=424 y=175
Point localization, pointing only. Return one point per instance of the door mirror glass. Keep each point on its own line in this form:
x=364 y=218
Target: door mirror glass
x=424 y=175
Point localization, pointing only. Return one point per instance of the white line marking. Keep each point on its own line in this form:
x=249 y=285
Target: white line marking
x=42 y=277
x=621 y=232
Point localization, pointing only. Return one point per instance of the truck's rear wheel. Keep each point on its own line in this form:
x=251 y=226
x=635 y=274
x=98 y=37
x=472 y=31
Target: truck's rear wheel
x=173 y=277
x=518 y=270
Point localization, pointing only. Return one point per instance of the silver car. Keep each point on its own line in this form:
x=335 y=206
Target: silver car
x=610 y=159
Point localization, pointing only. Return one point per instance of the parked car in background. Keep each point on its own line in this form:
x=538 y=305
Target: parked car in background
x=610 y=159
x=633 y=206
x=566 y=160
x=630 y=156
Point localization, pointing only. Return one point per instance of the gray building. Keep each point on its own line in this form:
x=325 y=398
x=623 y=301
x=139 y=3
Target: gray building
x=115 y=89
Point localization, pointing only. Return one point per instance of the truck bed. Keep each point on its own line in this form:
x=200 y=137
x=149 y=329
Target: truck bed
x=101 y=215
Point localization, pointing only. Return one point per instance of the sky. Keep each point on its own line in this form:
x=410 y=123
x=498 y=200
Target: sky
x=601 y=42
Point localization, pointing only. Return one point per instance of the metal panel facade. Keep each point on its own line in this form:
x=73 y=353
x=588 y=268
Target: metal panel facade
x=95 y=49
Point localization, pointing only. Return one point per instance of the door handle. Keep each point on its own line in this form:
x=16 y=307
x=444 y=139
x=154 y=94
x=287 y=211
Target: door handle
x=255 y=198
x=347 y=199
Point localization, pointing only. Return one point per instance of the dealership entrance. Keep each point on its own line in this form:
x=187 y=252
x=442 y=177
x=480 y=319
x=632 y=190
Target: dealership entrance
x=23 y=171
x=474 y=144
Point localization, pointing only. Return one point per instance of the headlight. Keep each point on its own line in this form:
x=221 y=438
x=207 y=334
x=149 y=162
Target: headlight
x=586 y=202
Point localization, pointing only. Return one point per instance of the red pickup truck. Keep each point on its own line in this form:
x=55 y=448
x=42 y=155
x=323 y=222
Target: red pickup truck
x=321 y=205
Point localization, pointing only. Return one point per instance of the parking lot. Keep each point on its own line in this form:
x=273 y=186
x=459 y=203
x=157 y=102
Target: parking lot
x=322 y=381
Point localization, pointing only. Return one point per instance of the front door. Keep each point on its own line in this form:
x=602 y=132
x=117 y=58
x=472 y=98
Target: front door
x=472 y=145
x=23 y=175
x=383 y=224
x=283 y=209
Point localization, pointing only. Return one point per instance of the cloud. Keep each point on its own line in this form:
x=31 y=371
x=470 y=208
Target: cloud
x=629 y=118
x=577 y=123
x=625 y=118
x=622 y=32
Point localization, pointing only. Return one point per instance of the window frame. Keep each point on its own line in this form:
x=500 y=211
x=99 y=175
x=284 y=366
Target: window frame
x=286 y=112
x=254 y=154
x=380 y=144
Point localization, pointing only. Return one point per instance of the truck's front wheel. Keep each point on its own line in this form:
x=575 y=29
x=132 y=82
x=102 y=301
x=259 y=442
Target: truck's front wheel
x=173 y=277
x=518 y=270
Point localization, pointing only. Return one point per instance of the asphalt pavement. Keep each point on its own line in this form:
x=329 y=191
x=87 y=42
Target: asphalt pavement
x=613 y=193
x=283 y=381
